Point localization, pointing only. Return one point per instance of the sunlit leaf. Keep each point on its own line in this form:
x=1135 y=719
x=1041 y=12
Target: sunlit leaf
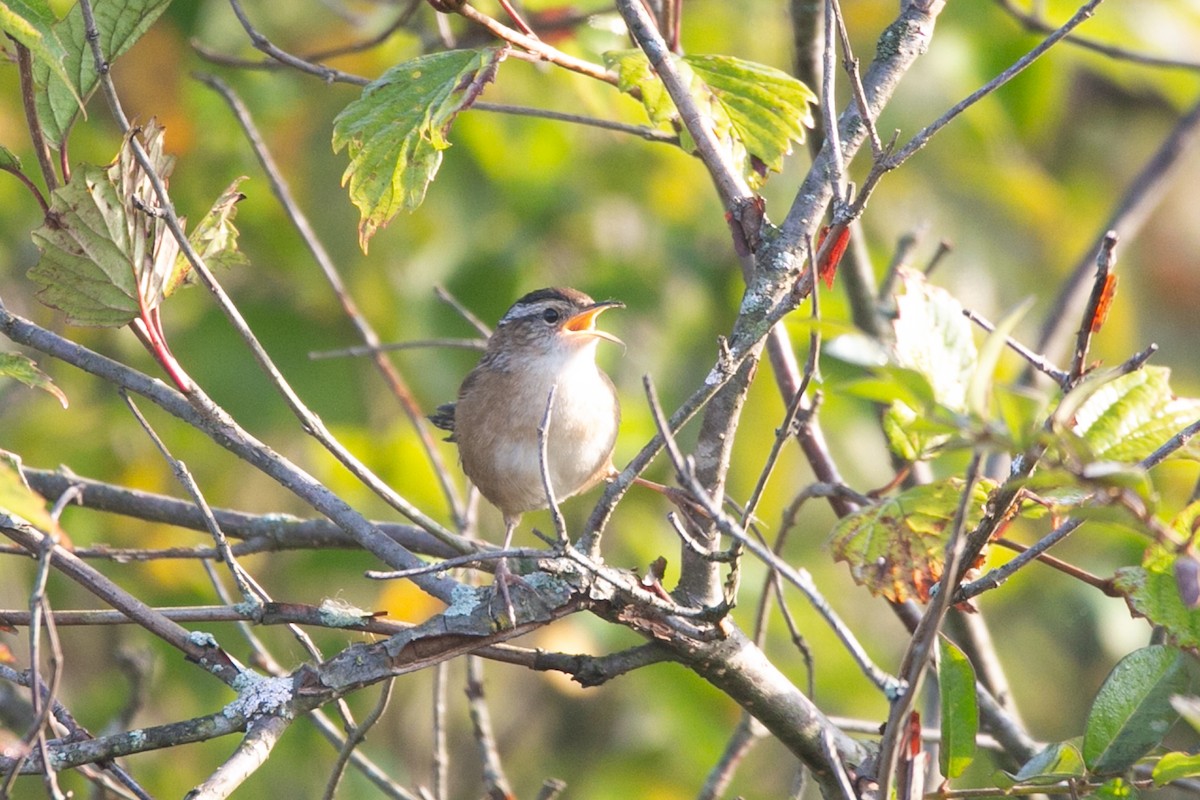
x=1132 y=711
x=18 y=499
x=396 y=131
x=1126 y=418
x=23 y=369
x=897 y=548
x=979 y=386
x=1176 y=766
x=32 y=23
x=932 y=337
x=1055 y=763
x=103 y=258
x=119 y=23
x=960 y=711
x=756 y=112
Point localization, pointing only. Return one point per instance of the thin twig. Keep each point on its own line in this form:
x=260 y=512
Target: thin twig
x=28 y=99
x=263 y=44
x=918 y=656
x=640 y=131
x=184 y=476
x=355 y=738
x=387 y=370
x=925 y=134
x=543 y=434
x=1038 y=362
x=1036 y=23
x=494 y=780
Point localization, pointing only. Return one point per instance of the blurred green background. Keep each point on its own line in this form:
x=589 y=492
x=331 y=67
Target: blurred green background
x=1021 y=186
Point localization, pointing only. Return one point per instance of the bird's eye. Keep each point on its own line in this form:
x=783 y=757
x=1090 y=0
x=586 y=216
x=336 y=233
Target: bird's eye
x=551 y=315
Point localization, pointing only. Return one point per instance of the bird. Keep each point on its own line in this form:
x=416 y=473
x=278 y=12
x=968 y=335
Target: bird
x=546 y=341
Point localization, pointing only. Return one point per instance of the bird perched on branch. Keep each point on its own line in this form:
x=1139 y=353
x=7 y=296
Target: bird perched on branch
x=546 y=340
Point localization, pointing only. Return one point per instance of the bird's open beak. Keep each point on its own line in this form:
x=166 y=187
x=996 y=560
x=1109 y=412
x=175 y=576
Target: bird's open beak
x=585 y=321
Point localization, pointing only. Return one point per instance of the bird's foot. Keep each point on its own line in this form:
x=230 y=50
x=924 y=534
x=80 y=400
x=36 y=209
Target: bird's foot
x=504 y=578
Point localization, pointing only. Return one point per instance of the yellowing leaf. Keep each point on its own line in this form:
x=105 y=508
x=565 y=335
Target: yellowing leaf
x=897 y=548
x=396 y=131
x=18 y=499
x=1153 y=590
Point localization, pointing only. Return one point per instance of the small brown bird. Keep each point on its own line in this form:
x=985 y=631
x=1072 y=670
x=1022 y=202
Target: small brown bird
x=547 y=339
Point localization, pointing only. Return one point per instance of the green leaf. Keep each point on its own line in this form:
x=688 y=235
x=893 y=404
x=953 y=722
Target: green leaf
x=103 y=259
x=18 y=499
x=767 y=108
x=960 y=712
x=1152 y=590
x=215 y=237
x=396 y=131
x=1055 y=763
x=8 y=160
x=1176 y=766
x=897 y=548
x=1126 y=418
x=120 y=23
x=1021 y=410
x=23 y=369
x=989 y=356
x=756 y=112
x=1188 y=708
x=1132 y=711
x=32 y=23
x=934 y=338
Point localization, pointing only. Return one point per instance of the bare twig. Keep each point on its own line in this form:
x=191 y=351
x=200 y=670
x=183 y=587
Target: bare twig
x=1038 y=362
x=261 y=737
x=925 y=134
x=28 y=99
x=355 y=738
x=184 y=476
x=494 y=780
x=641 y=131
x=391 y=376
x=1034 y=22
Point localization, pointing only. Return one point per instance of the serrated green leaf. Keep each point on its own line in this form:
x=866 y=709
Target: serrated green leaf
x=120 y=23
x=1132 y=711
x=756 y=112
x=1176 y=766
x=214 y=238
x=767 y=108
x=103 y=259
x=32 y=23
x=23 y=369
x=1055 y=763
x=396 y=131
x=1152 y=590
x=1126 y=418
x=897 y=548
x=960 y=711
